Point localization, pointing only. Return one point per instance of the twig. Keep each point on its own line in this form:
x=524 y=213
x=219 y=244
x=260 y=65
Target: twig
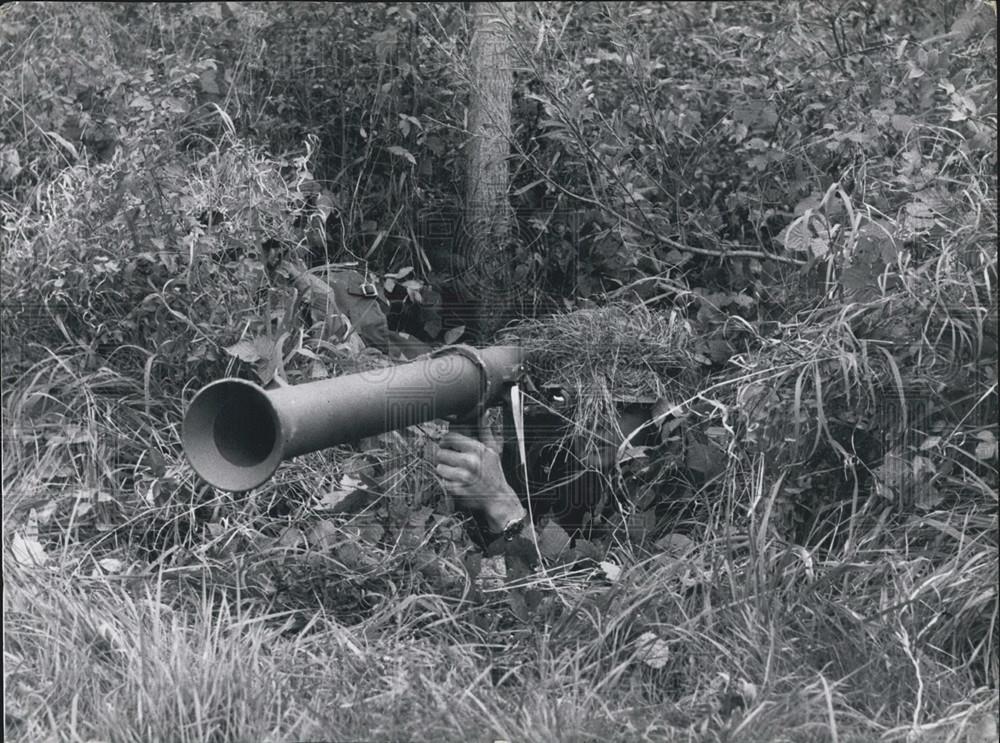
x=739 y=253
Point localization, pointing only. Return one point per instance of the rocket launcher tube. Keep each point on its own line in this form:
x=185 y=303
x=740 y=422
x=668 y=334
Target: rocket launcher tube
x=235 y=433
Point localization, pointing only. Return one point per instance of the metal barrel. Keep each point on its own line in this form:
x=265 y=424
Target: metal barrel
x=235 y=434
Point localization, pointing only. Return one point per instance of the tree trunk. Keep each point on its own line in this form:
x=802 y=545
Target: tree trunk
x=485 y=254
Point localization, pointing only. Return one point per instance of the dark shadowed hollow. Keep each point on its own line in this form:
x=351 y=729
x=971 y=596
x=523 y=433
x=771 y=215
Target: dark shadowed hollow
x=243 y=430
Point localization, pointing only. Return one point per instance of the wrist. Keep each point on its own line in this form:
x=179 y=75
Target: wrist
x=504 y=511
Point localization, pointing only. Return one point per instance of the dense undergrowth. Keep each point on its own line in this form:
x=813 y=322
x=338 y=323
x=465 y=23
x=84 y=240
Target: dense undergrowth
x=772 y=224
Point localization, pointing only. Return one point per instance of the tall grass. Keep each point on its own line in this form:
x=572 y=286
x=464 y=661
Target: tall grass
x=755 y=639
x=835 y=578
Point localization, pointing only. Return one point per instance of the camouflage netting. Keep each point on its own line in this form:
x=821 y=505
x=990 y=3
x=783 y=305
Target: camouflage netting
x=610 y=356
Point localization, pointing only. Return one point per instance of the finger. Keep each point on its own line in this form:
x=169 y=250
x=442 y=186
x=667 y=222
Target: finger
x=456 y=490
x=486 y=435
x=451 y=474
x=459 y=492
x=460 y=442
x=468 y=462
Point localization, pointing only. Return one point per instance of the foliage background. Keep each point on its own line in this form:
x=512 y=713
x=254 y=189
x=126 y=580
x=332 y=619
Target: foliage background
x=807 y=191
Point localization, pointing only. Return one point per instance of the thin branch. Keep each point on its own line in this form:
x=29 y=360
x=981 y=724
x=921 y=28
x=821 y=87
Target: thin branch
x=738 y=253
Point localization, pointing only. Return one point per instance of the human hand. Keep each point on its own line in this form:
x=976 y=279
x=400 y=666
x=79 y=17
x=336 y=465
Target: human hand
x=471 y=473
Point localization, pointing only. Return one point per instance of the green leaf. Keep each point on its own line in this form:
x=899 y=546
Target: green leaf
x=64 y=142
x=525 y=189
x=902 y=123
x=611 y=571
x=987 y=446
x=799 y=235
x=553 y=541
x=809 y=203
x=27 y=551
x=919 y=216
x=324 y=535
x=403 y=153
x=929 y=443
x=336 y=495
x=675 y=545
x=245 y=351
x=819 y=246
x=652 y=651
x=10 y=165
x=290 y=538
x=454 y=334
x=400 y=274
x=704 y=459
x=518 y=605
x=209 y=82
